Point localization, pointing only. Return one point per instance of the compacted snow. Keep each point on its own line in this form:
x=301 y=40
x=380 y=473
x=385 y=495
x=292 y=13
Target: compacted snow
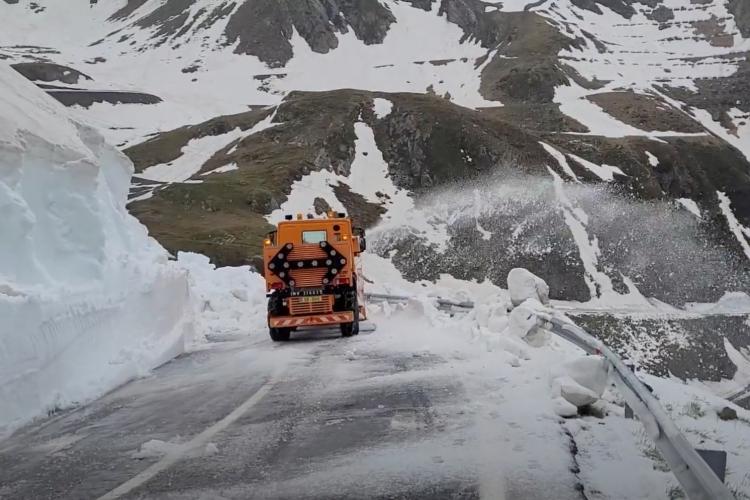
x=87 y=299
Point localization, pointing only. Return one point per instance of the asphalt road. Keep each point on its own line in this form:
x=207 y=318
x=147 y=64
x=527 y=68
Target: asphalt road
x=320 y=417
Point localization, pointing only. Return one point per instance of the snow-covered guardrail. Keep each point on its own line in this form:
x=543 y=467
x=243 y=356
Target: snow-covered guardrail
x=384 y=297
x=696 y=477
x=694 y=474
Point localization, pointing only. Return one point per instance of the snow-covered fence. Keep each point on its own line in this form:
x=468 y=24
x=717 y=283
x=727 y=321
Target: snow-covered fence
x=693 y=473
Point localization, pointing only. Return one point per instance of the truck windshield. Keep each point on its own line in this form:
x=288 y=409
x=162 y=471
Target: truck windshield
x=314 y=237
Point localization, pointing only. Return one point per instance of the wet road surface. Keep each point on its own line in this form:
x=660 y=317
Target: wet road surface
x=319 y=417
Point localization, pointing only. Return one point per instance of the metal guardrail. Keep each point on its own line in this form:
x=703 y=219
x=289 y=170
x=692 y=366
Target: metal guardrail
x=696 y=477
x=383 y=297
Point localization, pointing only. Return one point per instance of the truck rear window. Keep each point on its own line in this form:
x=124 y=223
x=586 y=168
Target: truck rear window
x=314 y=237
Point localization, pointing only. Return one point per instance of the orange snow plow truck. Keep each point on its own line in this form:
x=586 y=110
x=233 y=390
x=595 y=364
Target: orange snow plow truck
x=312 y=275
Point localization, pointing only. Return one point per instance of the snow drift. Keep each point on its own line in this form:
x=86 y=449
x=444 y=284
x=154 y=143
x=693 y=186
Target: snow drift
x=87 y=299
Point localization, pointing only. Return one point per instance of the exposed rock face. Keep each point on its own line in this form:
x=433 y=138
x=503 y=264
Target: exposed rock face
x=661 y=14
x=622 y=7
x=86 y=98
x=127 y=10
x=682 y=171
x=49 y=72
x=430 y=145
x=316 y=21
x=525 y=68
x=527 y=231
x=168 y=20
x=428 y=142
x=741 y=11
x=678 y=347
x=445 y=143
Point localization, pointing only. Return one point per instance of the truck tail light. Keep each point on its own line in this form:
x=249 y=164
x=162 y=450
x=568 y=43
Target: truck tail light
x=342 y=281
x=277 y=286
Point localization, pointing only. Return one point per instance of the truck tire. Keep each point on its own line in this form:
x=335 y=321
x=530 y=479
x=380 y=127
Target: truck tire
x=279 y=334
x=276 y=308
x=349 y=329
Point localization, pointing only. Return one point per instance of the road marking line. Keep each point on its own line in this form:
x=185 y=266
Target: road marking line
x=198 y=442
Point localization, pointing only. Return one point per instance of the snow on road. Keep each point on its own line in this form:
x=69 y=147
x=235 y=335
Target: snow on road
x=426 y=405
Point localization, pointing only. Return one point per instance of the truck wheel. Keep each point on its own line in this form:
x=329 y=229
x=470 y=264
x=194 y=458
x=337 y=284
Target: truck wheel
x=349 y=329
x=279 y=334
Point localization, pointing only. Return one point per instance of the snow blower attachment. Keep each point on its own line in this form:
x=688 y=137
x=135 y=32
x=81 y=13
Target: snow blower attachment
x=311 y=270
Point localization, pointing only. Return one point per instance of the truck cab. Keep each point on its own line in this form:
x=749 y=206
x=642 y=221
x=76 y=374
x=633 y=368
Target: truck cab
x=312 y=274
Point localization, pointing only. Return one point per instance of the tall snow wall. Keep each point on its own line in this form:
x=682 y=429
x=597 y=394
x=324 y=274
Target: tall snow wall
x=87 y=299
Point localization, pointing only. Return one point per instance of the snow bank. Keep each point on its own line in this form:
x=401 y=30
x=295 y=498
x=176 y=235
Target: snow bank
x=522 y=324
x=87 y=299
x=729 y=303
x=226 y=301
x=523 y=284
x=579 y=382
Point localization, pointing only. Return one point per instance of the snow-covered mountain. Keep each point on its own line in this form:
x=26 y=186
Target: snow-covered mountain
x=603 y=144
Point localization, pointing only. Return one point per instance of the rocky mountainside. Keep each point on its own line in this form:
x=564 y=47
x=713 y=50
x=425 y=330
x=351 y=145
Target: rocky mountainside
x=602 y=144
x=649 y=98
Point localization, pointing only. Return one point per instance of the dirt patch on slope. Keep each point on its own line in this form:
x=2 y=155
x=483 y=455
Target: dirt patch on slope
x=645 y=112
x=536 y=117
